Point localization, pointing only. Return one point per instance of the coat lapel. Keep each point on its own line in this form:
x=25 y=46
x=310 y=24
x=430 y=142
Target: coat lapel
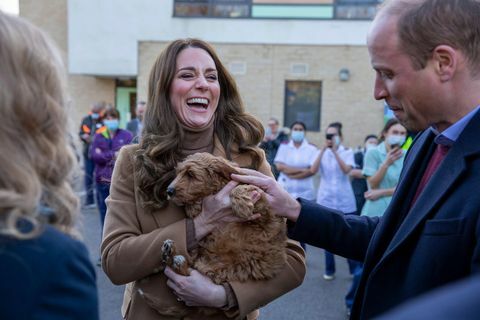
x=398 y=208
x=439 y=186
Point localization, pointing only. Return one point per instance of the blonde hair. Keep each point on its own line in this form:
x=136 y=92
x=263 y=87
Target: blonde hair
x=35 y=156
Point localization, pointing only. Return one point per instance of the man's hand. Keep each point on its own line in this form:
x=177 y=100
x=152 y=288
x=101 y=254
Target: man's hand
x=217 y=211
x=281 y=203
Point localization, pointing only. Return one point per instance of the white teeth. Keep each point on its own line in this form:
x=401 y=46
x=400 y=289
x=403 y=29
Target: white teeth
x=198 y=100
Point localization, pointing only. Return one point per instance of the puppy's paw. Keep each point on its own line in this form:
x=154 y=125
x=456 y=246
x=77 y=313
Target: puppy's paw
x=168 y=251
x=180 y=265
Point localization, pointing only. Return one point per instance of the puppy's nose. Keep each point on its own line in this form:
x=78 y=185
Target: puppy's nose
x=170 y=191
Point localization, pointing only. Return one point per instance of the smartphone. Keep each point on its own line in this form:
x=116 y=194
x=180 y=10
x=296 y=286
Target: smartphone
x=329 y=136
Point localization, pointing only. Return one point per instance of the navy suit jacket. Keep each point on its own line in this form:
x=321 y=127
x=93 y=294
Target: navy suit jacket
x=455 y=301
x=409 y=250
x=49 y=277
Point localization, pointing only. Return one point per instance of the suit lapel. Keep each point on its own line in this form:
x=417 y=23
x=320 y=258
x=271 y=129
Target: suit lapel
x=439 y=186
x=398 y=208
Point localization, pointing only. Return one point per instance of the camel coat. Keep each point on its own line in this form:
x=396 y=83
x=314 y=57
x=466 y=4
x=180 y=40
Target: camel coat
x=132 y=240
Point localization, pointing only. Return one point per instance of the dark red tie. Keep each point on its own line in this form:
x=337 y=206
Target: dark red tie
x=437 y=157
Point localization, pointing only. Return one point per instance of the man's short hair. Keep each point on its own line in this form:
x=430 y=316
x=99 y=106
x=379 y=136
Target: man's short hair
x=424 y=25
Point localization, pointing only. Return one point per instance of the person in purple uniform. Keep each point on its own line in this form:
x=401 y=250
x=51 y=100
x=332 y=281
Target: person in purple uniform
x=104 y=151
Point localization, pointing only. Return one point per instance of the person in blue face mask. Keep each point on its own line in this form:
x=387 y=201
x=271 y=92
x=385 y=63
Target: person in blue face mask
x=104 y=150
x=382 y=167
x=293 y=160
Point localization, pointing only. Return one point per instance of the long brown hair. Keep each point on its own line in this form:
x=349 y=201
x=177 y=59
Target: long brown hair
x=162 y=137
x=35 y=156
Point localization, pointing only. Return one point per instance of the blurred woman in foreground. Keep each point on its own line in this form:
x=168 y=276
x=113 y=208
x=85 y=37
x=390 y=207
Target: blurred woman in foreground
x=44 y=272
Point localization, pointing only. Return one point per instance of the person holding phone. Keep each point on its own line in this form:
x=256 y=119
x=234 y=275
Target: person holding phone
x=334 y=162
x=382 y=167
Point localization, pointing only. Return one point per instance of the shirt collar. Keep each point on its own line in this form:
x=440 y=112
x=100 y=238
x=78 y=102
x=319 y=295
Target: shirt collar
x=304 y=143
x=448 y=136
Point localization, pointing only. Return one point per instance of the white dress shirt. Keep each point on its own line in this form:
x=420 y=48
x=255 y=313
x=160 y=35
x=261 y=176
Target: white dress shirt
x=302 y=158
x=335 y=190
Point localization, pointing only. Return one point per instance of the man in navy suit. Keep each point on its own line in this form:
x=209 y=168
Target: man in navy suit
x=426 y=57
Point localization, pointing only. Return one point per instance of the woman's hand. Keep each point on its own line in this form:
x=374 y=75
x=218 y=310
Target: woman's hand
x=328 y=144
x=393 y=155
x=374 y=194
x=281 y=203
x=217 y=211
x=196 y=290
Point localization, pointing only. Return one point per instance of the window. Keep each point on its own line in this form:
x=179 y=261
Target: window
x=303 y=102
x=212 y=8
x=278 y=9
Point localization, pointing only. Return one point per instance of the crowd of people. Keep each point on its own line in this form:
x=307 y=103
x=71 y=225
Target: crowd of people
x=412 y=242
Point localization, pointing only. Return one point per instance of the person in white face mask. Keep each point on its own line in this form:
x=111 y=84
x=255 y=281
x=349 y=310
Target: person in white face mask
x=382 y=167
x=293 y=161
x=334 y=163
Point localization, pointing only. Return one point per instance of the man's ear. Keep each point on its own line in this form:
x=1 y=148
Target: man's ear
x=446 y=61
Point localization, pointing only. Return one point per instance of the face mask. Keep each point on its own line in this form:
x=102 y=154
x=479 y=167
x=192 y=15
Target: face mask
x=95 y=116
x=112 y=125
x=298 y=136
x=268 y=131
x=369 y=146
x=395 y=140
x=337 y=140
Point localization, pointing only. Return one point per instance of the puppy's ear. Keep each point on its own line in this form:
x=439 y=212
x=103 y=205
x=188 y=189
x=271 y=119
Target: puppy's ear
x=224 y=167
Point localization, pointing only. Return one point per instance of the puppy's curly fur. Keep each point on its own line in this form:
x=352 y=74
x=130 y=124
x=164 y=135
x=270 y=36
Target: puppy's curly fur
x=240 y=251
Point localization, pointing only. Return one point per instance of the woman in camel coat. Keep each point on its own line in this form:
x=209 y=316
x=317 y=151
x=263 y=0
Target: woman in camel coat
x=193 y=106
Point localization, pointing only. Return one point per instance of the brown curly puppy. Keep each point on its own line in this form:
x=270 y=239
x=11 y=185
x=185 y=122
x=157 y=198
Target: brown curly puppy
x=240 y=251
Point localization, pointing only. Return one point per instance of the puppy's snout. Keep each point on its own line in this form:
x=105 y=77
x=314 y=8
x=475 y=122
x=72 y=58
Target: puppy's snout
x=170 y=191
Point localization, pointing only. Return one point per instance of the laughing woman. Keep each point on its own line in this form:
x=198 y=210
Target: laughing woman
x=193 y=106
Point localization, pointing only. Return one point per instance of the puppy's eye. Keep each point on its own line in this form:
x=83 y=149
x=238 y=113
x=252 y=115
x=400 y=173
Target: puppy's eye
x=190 y=174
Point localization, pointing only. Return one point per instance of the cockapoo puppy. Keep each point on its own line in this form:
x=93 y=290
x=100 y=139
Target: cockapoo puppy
x=239 y=251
